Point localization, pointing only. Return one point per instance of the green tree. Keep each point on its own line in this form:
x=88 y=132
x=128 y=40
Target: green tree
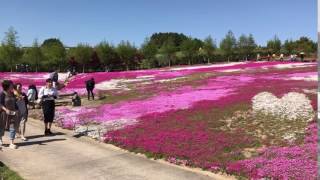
x=190 y=48
x=149 y=51
x=54 y=53
x=208 y=49
x=228 y=45
x=107 y=54
x=246 y=46
x=159 y=39
x=82 y=54
x=289 y=47
x=126 y=53
x=252 y=45
x=11 y=51
x=306 y=45
x=3 y=64
x=274 y=45
x=166 y=54
x=33 y=55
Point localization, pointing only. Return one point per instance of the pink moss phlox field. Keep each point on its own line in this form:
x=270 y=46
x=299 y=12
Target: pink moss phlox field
x=159 y=74
x=175 y=137
x=69 y=118
x=183 y=98
x=221 y=91
x=77 y=83
x=295 y=162
x=160 y=124
x=26 y=79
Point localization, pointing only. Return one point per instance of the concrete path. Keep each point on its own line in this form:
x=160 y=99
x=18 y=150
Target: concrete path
x=65 y=157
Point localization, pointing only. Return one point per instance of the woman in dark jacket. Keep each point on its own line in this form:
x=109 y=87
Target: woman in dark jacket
x=9 y=112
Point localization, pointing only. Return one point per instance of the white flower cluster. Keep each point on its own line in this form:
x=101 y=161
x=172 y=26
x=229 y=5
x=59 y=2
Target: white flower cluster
x=96 y=131
x=291 y=106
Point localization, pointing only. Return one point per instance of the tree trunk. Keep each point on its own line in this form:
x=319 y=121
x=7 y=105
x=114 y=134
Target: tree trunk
x=127 y=67
x=11 y=65
x=83 y=68
x=228 y=59
x=37 y=64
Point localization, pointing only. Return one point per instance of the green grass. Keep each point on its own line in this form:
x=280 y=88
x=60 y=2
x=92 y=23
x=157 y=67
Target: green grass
x=7 y=174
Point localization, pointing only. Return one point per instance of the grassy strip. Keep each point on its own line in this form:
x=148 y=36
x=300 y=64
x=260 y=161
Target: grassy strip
x=7 y=174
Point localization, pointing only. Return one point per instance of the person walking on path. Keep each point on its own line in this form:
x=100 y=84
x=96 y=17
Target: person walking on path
x=32 y=95
x=9 y=113
x=47 y=95
x=22 y=103
x=90 y=86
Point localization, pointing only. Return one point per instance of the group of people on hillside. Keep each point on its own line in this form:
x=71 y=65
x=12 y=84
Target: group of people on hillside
x=14 y=105
x=293 y=57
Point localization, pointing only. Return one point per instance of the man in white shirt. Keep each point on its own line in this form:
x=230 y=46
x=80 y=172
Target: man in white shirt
x=47 y=95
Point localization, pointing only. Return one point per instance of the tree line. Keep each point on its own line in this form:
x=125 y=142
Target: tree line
x=158 y=50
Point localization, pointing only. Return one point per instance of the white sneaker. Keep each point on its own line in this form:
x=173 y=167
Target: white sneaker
x=13 y=146
x=23 y=138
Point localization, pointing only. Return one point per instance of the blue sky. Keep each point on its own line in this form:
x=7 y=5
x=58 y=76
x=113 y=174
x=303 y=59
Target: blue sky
x=90 y=21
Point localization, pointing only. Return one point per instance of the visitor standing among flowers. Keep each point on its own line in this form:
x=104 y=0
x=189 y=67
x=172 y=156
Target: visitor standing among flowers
x=22 y=103
x=32 y=95
x=281 y=57
x=302 y=56
x=90 y=86
x=54 y=77
x=47 y=95
x=9 y=113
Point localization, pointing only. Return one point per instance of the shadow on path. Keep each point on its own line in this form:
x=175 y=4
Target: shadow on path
x=41 y=135
x=42 y=142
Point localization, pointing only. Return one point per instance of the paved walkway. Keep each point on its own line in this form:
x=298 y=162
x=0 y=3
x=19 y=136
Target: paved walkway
x=65 y=157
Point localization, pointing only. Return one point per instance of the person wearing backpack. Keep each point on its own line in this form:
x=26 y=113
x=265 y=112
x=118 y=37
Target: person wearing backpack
x=32 y=95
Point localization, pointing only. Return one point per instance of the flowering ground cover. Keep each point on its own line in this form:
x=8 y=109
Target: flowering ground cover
x=27 y=79
x=249 y=119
